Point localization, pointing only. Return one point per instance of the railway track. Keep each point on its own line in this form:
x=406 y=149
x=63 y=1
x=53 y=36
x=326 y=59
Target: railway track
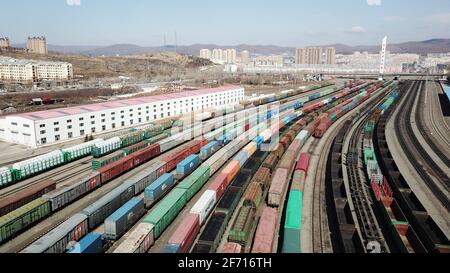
x=425 y=166
x=359 y=187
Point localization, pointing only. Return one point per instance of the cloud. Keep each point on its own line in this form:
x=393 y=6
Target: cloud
x=394 y=18
x=73 y=2
x=357 y=29
x=374 y=2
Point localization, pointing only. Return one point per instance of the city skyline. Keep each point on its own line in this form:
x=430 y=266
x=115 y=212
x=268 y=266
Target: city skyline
x=235 y=23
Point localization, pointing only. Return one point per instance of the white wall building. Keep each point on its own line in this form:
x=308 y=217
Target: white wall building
x=52 y=126
x=22 y=70
x=220 y=56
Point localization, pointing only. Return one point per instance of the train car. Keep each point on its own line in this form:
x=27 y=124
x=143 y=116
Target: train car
x=277 y=187
x=265 y=231
x=158 y=188
x=219 y=185
x=91 y=243
x=293 y=222
x=106 y=205
x=20 y=219
x=184 y=235
x=57 y=240
x=230 y=247
x=123 y=218
x=303 y=163
x=208 y=150
x=186 y=166
x=253 y=195
x=139 y=241
x=147 y=176
x=229 y=201
x=212 y=234
x=68 y=193
x=25 y=196
x=145 y=154
x=195 y=181
x=115 y=169
x=204 y=205
x=103 y=161
x=242 y=226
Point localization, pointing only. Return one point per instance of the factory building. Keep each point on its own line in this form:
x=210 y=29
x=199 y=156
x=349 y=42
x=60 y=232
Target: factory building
x=21 y=70
x=4 y=42
x=53 y=126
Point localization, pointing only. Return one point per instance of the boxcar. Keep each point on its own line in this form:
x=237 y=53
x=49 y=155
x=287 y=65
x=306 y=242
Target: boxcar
x=139 y=240
x=18 y=220
x=57 y=239
x=113 y=170
x=25 y=196
x=145 y=154
x=148 y=176
x=69 y=193
x=158 y=188
x=186 y=232
x=91 y=243
x=123 y=218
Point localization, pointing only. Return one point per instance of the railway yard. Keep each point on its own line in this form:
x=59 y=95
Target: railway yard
x=348 y=166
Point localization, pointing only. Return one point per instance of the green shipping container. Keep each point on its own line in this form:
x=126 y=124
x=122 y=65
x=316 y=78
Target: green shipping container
x=163 y=214
x=293 y=223
x=195 y=181
x=16 y=221
x=369 y=154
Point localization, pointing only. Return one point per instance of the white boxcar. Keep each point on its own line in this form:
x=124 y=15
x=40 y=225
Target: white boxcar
x=139 y=240
x=204 y=205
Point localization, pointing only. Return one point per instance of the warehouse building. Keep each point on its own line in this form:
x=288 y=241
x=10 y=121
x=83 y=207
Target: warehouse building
x=53 y=126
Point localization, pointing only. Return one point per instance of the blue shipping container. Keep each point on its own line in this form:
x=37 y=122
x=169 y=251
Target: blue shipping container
x=155 y=190
x=171 y=248
x=91 y=243
x=123 y=218
x=209 y=149
x=186 y=166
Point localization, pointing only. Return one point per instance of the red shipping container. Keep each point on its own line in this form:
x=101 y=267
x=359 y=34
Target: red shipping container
x=265 y=232
x=145 y=154
x=219 y=185
x=186 y=232
x=93 y=181
x=303 y=163
x=113 y=170
x=246 y=127
x=295 y=146
x=232 y=248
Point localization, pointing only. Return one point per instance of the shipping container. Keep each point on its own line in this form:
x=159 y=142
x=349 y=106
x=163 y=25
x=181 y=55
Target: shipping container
x=123 y=218
x=303 y=162
x=146 y=177
x=106 y=205
x=115 y=169
x=204 y=205
x=231 y=170
x=166 y=210
x=208 y=150
x=265 y=231
x=293 y=222
x=186 y=166
x=91 y=243
x=20 y=198
x=186 y=232
x=242 y=158
x=277 y=187
x=158 y=188
x=139 y=241
x=146 y=154
x=195 y=181
x=57 y=240
x=219 y=185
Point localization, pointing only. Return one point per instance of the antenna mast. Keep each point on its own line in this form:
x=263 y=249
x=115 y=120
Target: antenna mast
x=383 y=57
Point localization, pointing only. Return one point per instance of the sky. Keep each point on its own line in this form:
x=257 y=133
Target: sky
x=226 y=22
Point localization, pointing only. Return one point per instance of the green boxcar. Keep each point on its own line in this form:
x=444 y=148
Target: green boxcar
x=242 y=226
x=132 y=138
x=195 y=181
x=98 y=163
x=293 y=223
x=134 y=148
x=163 y=214
x=18 y=220
x=369 y=154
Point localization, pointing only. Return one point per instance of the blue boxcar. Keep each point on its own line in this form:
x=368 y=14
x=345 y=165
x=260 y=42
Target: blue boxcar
x=155 y=190
x=91 y=243
x=209 y=149
x=188 y=165
x=171 y=248
x=258 y=140
x=123 y=218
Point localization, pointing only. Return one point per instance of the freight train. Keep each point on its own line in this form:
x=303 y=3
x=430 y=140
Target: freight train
x=107 y=173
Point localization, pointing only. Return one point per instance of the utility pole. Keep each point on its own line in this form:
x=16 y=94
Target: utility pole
x=383 y=57
x=176 y=42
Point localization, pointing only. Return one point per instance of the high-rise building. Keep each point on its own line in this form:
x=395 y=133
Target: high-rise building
x=230 y=56
x=4 y=42
x=331 y=55
x=37 y=45
x=217 y=55
x=315 y=55
x=205 y=54
x=245 y=57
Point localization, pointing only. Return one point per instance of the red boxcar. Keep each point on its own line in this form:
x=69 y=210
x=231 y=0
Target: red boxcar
x=113 y=170
x=145 y=154
x=25 y=196
x=303 y=162
x=219 y=185
x=265 y=232
x=180 y=154
x=186 y=232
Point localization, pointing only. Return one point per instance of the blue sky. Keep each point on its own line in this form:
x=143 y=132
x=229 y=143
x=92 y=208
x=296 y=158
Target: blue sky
x=226 y=22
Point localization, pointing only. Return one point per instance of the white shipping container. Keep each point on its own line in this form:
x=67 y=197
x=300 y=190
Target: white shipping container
x=139 y=240
x=204 y=205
